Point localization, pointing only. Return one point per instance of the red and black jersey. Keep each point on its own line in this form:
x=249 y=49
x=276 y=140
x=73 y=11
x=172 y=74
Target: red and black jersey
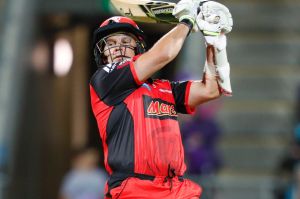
x=137 y=122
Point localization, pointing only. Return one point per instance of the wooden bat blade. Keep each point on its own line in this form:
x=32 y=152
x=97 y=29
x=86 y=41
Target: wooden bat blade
x=148 y=11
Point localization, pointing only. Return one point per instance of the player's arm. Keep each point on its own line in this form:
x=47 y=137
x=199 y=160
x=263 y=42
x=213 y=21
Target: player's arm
x=168 y=47
x=214 y=21
x=207 y=88
x=163 y=52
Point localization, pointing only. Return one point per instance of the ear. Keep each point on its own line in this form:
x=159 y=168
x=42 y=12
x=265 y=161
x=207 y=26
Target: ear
x=100 y=60
x=139 y=48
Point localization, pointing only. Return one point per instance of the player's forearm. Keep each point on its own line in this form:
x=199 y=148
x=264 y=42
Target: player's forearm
x=210 y=78
x=203 y=91
x=207 y=89
x=168 y=47
x=210 y=55
x=211 y=86
x=163 y=52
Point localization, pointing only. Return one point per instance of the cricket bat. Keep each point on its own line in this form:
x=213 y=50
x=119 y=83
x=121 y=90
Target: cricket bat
x=148 y=11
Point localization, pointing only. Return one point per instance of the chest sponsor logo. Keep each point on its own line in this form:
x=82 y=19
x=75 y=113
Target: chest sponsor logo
x=159 y=109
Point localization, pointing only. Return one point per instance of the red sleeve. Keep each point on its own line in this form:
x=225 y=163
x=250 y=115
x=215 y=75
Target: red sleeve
x=186 y=98
x=136 y=57
x=114 y=82
x=181 y=92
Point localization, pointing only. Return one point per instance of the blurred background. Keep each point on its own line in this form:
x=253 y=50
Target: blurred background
x=242 y=147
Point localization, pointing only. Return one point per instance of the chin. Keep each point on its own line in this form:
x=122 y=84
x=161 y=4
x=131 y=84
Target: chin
x=122 y=59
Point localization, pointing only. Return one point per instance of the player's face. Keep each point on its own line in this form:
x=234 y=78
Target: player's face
x=119 y=47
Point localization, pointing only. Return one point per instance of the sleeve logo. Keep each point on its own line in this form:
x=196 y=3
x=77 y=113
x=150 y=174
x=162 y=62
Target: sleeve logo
x=109 y=67
x=119 y=65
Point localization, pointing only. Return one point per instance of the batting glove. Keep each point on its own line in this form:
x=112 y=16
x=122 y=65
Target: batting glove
x=213 y=20
x=186 y=11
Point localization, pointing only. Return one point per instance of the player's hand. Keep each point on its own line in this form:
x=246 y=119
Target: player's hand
x=186 y=9
x=214 y=20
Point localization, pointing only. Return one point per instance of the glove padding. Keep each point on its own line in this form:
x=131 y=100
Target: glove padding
x=219 y=42
x=214 y=18
x=187 y=9
x=223 y=74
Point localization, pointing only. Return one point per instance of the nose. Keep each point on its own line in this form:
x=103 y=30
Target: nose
x=117 y=49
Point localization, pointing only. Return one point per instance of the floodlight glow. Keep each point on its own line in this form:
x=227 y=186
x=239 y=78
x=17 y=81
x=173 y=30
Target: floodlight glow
x=63 y=57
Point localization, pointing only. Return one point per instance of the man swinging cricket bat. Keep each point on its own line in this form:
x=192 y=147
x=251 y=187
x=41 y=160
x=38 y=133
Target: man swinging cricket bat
x=136 y=115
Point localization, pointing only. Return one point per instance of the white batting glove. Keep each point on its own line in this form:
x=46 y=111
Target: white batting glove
x=187 y=10
x=219 y=41
x=217 y=13
x=213 y=20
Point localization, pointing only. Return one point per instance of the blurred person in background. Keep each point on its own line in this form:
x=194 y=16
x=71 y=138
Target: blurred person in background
x=288 y=171
x=200 y=135
x=137 y=116
x=85 y=180
x=292 y=191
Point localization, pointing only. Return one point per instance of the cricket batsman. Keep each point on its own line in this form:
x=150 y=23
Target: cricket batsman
x=137 y=116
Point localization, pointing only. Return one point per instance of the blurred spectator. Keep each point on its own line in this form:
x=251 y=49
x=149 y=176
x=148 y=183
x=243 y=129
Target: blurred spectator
x=293 y=190
x=85 y=180
x=288 y=172
x=200 y=135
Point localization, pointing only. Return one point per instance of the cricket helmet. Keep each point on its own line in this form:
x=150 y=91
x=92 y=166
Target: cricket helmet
x=119 y=24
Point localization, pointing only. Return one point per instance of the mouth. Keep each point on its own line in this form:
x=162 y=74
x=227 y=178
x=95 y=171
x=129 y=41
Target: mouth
x=120 y=57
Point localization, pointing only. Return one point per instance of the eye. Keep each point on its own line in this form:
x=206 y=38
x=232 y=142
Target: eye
x=110 y=43
x=126 y=40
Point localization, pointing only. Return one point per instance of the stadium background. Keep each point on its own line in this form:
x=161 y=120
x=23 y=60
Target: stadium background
x=45 y=113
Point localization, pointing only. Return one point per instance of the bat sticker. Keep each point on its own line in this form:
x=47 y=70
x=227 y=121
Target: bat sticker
x=159 y=11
